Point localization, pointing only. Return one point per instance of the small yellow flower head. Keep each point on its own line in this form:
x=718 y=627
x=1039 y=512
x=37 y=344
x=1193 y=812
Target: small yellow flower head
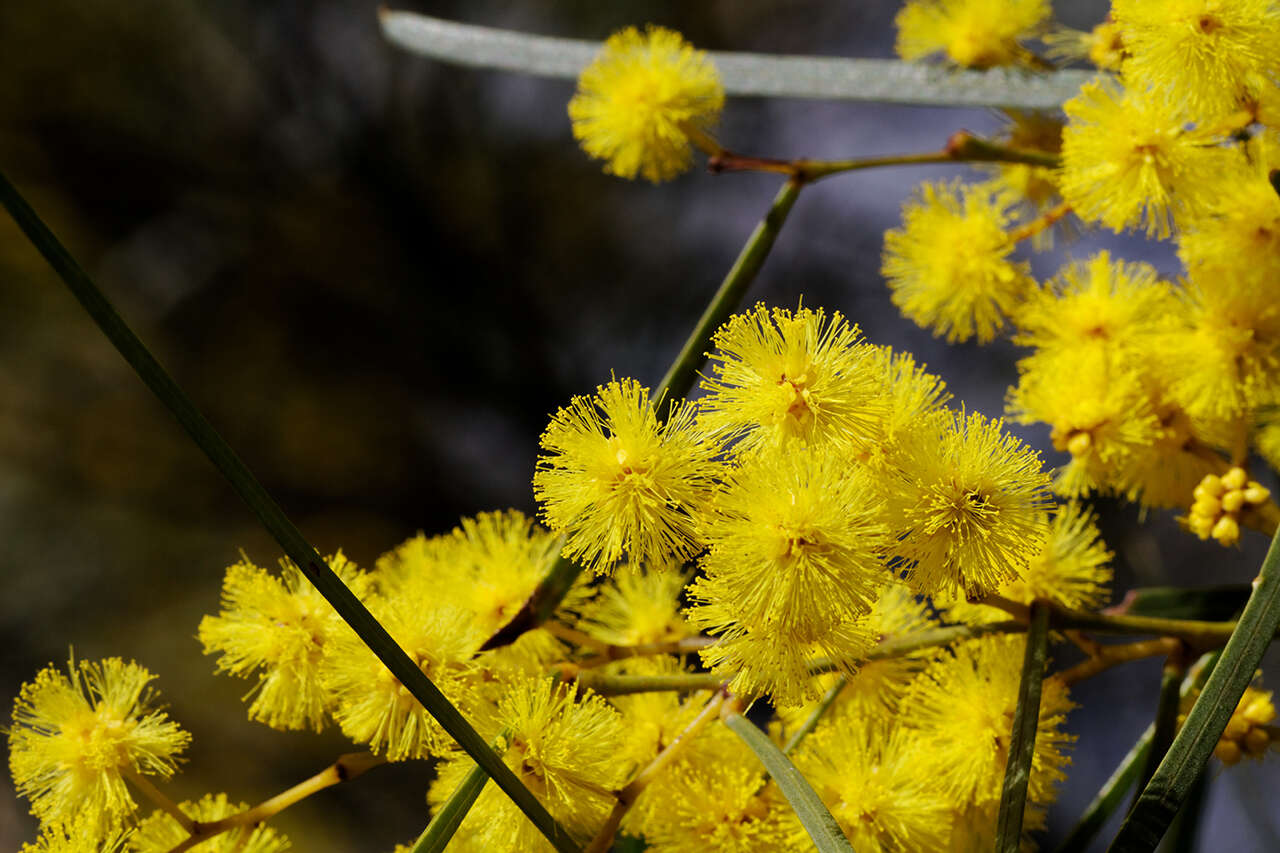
x=278 y=628
x=877 y=788
x=1219 y=503
x=618 y=483
x=500 y=558
x=1204 y=56
x=1128 y=161
x=1171 y=467
x=948 y=267
x=795 y=544
x=373 y=707
x=972 y=33
x=564 y=751
x=161 y=832
x=972 y=503
x=911 y=394
x=1248 y=732
x=75 y=735
x=637 y=606
x=1103 y=45
x=963 y=707
x=74 y=838
x=782 y=376
x=723 y=805
x=638 y=102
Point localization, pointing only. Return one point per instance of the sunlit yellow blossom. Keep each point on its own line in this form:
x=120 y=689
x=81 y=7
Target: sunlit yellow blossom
x=74 y=838
x=972 y=33
x=372 y=706
x=161 y=832
x=781 y=375
x=1073 y=570
x=640 y=99
x=963 y=707
x=1127 y=161
x=1204 y=56
x=1100 y=412
x=618 y=482
x=564 y=751
x=872 y=779
x=910 y=395
x=948 y=267
x=971 y=503
x=501 y=557
x=637 y=606
x=723 y=805
x=76 y=736
x=278 y=628
x=795 y=555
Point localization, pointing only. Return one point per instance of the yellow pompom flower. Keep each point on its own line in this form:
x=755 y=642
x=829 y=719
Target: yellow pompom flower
x=872 y=779
x=1128 y=161
x=619 y=483
x=972 y=504
x=73 y=838
x=76 y=737
x=781 y=376
x=564 y=750
x=278 y=628
x=161 y=833
x=911 y=395
x=641 y=99
x=637 y=606
x=1207 y=57
x=948 y=267
x=963 y=707
x=972 y=33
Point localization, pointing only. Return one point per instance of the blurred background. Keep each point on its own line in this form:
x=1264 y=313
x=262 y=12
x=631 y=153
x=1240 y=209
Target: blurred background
x=379 y=276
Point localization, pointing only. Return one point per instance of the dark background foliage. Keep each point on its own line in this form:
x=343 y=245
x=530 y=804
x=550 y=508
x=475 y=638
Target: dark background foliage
x=379 y=276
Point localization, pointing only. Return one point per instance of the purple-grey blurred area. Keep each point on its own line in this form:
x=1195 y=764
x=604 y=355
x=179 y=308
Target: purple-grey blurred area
x=379 y=276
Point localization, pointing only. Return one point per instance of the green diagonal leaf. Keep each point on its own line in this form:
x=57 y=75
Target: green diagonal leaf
x=814 y=816
x=1026 y=719
x=832 y=78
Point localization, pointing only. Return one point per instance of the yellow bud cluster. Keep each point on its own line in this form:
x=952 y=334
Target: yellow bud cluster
x=1247 y=731
x=1219 y=502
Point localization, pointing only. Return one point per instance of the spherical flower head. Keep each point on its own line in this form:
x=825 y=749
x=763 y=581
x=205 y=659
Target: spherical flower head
x=618 y=483
x=75 y=838
x=1128 y=161
x=75 y=737
x=963 y=707
x=972 y=504
x=501 y=557
x=1205 y=56
x=370 y=703
x=564 y=750
x=161 y=832
x=872 y=780
x=639 y=101
x=277 y=628
x=972 y=33
x=637 y=606
x=948 y=267
x=783 y=376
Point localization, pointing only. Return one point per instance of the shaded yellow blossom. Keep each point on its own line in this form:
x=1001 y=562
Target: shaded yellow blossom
x=637 y=606
x=74 y=838
x=1249 y=731
x=161 y=833
x=948 y=267
x=971 y=503
x=1128 y=161
x=1205 y=56
x=972 y=33
x=639 y=101
x=277 y=628
x=1219 y=503
x=619 y=483
x=75 y=737
x=781 y=376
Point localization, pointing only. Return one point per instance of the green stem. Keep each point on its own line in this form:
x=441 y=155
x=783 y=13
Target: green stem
x=290 y=539
x=1166 y=721
x=815 y=716
x=1194 y=743
x=674 y=386
x=808 y=806
x=445 y=822
x=1026 y=719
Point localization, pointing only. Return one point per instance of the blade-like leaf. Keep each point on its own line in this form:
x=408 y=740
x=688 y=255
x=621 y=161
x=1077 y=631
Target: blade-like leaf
x=1026 y=719
x=1210 y=603
x=1109 y=796
x=814 y=816
x=833 y=78
x=1177 y=774
x=445 y=822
